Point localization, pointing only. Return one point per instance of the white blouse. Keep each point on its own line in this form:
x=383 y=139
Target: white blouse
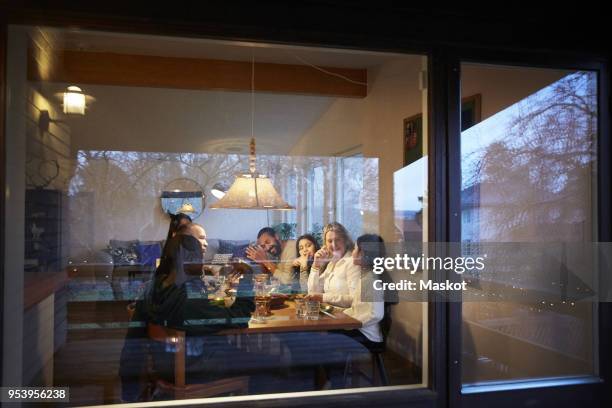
x=341 y=283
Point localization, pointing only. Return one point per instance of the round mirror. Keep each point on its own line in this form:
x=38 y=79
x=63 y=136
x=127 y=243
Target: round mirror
x=183 y=195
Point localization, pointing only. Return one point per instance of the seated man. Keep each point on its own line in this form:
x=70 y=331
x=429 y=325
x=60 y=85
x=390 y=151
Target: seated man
x=176 y=298
x=275 y=256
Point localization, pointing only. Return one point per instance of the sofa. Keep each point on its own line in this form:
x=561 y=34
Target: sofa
x=119 y=271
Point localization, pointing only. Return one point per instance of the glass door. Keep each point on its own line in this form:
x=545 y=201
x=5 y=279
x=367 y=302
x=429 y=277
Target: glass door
x=528 y=201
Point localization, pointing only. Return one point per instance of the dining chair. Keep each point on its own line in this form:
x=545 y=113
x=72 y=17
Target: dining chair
x=176 y=340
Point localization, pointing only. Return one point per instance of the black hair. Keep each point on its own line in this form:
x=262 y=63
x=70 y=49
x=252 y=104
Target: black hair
x=372 y=246
x=266 y=230
x=175 y=223
x=310 y=238
x=370 y=252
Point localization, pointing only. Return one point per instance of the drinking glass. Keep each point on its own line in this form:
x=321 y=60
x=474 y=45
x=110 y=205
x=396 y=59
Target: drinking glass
x=312 y=309
x=262 y=305
x=259 y=284
x=300 y=307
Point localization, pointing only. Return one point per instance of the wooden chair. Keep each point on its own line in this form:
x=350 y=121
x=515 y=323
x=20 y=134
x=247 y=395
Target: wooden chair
x=226 y=386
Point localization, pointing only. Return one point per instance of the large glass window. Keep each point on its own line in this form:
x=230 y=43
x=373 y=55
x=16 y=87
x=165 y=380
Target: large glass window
x=528 y=171
x=156 y=190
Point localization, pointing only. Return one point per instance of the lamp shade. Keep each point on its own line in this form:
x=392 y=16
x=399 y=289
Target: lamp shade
x=252 y=191
x=74 y=101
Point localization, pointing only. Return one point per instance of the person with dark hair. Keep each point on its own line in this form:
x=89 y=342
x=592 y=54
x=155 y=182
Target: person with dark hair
x=274 y=255
x=176 y=221
x=369 y=305
x=176 y=297
x=305 y=246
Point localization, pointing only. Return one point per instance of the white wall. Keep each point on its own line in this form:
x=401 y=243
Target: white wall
x=373 y=126
x=501 y=86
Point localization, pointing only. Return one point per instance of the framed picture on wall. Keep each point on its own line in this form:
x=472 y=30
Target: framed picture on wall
x=413 y=127
x=413 y=138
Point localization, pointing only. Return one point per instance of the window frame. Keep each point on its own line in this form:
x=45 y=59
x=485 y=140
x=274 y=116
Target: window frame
x=548 y=392
x=443 y=113
x=433 y=394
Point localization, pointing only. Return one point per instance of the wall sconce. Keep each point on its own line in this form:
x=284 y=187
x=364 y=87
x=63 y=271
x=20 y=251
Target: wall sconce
x=74 y=100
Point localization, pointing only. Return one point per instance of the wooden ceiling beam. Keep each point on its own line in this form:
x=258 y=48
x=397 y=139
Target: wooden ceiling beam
x=102 y=68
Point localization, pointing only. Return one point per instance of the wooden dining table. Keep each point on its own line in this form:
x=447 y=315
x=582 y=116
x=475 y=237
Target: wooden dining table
x=284 y=319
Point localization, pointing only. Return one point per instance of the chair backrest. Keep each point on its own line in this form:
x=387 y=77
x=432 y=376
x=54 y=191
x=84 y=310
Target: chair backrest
x=176 y=338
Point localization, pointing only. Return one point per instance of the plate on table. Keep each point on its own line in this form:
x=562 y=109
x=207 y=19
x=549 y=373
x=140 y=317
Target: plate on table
x=278 y=300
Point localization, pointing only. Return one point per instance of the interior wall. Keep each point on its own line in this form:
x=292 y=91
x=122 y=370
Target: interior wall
x=372 y=126
x=501 y=86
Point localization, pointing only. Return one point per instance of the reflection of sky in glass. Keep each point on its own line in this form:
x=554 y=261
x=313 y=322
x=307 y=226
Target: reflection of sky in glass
x=408 y=185
x=476 y=139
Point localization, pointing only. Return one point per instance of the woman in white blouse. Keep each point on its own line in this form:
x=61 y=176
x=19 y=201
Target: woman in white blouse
x=337 y=278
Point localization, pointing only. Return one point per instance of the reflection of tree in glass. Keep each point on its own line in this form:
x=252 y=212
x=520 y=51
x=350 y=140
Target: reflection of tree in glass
x=540 y=172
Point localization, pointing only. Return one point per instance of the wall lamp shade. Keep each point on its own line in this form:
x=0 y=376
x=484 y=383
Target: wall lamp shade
x=74 y=100
x=219 y=190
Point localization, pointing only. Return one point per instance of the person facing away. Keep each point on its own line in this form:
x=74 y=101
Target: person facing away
x=176 y=297
x=333 y=276
x=274 y=255
x=305 y=246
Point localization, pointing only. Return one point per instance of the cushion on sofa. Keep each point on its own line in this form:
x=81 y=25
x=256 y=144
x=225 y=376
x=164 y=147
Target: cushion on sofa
x=148 y=252
x=124 y=252
x=236 y=248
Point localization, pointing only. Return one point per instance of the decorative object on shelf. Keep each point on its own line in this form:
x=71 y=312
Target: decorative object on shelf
x=183 y=195
x=252 y=190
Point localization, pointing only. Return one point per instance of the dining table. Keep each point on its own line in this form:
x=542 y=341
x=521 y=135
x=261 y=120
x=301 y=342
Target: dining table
x=283 y=319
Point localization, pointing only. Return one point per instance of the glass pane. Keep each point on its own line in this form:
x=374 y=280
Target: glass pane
x=528 y=161
x=148 y=227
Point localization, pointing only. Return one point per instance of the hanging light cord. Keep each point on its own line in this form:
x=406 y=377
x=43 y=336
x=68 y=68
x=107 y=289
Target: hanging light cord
x=252 y=95
x=252 y=160
x=302 y=60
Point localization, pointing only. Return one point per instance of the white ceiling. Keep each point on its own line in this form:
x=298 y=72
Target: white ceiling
x=176 y=120
x=213 y=49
